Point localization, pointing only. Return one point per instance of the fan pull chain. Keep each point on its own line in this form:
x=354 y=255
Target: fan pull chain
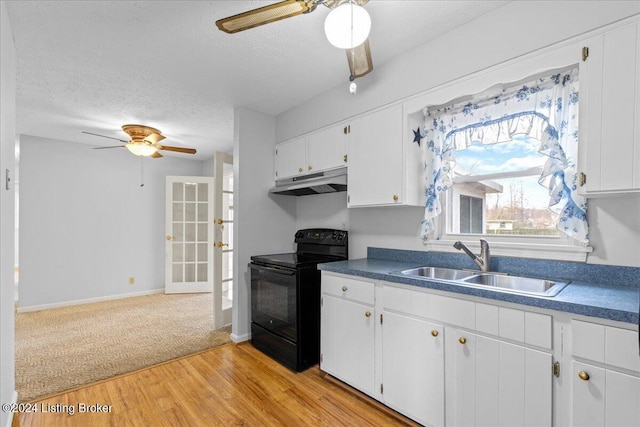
x=353 y=87
x=141 y=171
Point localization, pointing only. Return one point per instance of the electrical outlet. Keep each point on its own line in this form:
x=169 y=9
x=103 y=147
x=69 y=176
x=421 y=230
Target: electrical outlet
x=132 y=280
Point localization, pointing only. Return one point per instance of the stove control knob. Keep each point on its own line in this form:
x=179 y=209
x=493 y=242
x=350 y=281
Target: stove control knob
x=299 y=235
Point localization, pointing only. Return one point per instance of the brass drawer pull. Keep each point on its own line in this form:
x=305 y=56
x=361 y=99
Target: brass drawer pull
x=583 y=376
x=434 y=333
x=462 y=340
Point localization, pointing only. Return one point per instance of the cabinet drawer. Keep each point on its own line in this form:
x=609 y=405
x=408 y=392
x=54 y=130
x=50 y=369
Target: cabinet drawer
x=518 y=325
x=357 y=290
x=606 y=344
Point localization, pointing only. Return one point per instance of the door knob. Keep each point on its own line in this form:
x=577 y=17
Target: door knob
x=218 y=221
x=220 y=244
x=169 y=237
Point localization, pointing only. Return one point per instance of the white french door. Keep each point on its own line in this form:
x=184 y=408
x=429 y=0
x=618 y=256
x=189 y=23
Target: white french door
x=189 y=234
x=223 y=240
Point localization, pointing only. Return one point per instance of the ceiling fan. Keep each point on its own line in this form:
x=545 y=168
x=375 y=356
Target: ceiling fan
x=143 y=141
x=358 y=57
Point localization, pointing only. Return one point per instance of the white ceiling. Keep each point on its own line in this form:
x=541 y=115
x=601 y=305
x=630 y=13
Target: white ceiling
x=96 y=65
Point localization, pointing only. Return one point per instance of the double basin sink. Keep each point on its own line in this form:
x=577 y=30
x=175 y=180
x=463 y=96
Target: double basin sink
x=496 y=281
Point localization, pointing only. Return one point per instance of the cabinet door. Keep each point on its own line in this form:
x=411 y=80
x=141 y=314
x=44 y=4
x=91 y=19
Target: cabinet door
x=622 y=407
x=413 y=368
x=498 y=383
x=608 y=117
x=375 y=159
x=588 y=395
x=603 y=397
x=290 y=158
x=327 y=149
x=347 y=342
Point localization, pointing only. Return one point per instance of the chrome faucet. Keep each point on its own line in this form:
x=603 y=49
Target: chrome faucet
x=481 y=261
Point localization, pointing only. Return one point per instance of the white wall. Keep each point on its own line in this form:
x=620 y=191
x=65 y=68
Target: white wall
x=7 y=213
x=86 y=224
x=506 y=33
x=263 y=224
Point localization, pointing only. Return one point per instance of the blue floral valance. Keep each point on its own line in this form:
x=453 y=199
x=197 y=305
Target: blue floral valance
x=544 y=108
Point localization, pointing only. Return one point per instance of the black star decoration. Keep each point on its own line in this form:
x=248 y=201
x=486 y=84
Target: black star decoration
x=417 y=137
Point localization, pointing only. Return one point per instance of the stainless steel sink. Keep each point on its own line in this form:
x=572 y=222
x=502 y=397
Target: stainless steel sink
x=438 y=273
x=517 y=284
x=497 y=281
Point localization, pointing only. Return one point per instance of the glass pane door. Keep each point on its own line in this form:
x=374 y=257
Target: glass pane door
x=189 y=235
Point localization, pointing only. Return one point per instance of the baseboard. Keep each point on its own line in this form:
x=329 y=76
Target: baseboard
x=14 y=400
x=240 y=338
x=87 y=301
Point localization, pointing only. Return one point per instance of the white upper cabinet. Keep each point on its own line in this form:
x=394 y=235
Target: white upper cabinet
x=327 y=148
x=290 y=158
x=376 y=159
x=316 y=152
x=609 y=106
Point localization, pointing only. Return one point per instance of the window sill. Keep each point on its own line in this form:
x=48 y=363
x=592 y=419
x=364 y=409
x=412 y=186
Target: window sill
x=556 y=252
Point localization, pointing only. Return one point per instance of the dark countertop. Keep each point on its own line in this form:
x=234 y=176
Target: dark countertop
x=607 y=301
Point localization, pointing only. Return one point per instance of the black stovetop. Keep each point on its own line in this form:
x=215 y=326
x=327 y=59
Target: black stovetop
x=294 y=259
x=314 y=246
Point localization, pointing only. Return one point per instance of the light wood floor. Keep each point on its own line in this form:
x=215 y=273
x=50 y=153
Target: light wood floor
x=230 y=385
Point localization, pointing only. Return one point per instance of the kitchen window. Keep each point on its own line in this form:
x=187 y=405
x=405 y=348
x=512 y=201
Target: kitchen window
x=502 y=165
x=496 y=191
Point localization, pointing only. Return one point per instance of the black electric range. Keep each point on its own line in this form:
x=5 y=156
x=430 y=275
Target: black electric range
x=285 y=297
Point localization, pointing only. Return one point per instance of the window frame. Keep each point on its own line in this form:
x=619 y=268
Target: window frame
x=560 y=248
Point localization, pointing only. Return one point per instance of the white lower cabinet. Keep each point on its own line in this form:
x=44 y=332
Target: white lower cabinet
x=605 y=378
x=496 y=383
x=413 y=367
x=347 y=332
x=602 y=397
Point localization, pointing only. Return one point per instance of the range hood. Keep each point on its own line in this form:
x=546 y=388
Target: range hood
x=331 y=181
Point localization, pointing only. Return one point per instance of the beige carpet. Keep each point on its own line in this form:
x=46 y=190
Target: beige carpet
x=62 y=348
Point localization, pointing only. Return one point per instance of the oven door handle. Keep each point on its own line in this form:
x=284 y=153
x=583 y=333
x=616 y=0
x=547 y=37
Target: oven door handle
x=273 y=270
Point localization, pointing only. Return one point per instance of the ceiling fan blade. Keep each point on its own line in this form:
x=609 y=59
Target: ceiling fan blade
x=157 y=155
x=359 y=59
x=104 y=136
x=264 y=15
x=154 y=137
x=177 y=149
x=110 y=146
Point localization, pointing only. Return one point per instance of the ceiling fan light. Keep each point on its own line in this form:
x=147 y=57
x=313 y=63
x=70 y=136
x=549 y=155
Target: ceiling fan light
x=141 y=149
x=339 y=30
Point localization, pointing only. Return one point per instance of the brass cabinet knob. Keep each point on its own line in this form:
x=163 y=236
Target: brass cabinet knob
x=462 y=340
x=583 y=376
x=300 y=169
x=344 y=289
x=395 y=197
x=345 y=158
x=169 y=237
x=309 y=167
x=367 y=314
x=434 y=333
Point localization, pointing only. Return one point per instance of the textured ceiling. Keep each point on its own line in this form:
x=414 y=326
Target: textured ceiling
x=96 y=65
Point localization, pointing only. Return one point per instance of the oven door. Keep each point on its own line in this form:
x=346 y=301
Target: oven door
x=273 y=300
